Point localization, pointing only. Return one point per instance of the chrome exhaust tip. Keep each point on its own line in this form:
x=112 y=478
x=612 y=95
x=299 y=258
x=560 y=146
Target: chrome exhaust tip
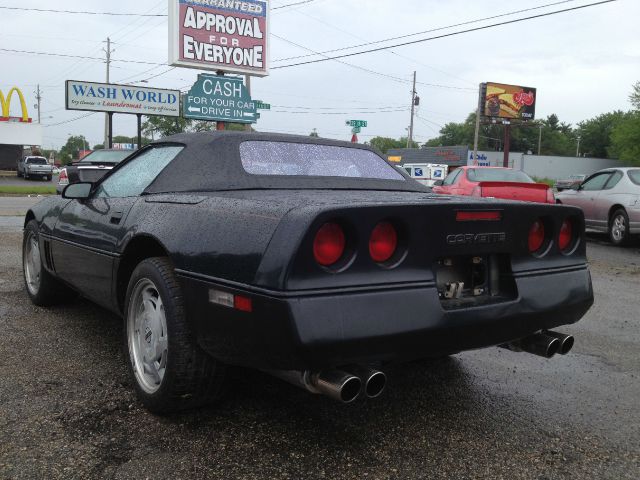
x=338 y=385
x=539 y=344
x=374 y=381
x=566 y=341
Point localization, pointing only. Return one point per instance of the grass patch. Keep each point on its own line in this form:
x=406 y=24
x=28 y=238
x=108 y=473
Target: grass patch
x=28 y=189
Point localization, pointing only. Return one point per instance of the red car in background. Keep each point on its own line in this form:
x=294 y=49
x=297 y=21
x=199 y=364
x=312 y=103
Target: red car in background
x=494 y=182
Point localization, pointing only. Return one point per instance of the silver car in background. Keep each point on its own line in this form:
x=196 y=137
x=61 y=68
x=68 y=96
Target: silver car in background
x=610 y=200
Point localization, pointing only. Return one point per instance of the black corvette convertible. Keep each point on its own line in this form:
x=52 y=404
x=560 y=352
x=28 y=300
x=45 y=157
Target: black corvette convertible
x=310 y=259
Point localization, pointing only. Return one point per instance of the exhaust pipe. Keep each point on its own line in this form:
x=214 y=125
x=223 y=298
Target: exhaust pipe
x=374 y=381
x=566 y=341
x=335 y=384
x=539 y=344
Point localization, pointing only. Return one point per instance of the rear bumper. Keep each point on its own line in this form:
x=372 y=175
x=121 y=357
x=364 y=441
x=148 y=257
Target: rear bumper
x=323 y=330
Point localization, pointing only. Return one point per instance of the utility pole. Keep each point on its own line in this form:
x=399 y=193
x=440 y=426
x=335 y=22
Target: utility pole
x=106 y=115
x=539 y=138
x=38 y=98
x=413 y=109
x=476 y=135
x=578 y=147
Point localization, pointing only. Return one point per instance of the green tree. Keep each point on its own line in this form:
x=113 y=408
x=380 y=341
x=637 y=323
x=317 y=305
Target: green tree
x=314 y=133
x=634 y=98
x=625 y=139
x=159 y=127
x=384 y=144
x=71 y=149
x=595 y=133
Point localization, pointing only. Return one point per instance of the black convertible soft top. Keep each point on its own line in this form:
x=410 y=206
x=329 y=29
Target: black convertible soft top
x=211 y=161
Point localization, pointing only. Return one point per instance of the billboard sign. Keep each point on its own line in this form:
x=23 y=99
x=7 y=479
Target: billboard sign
x=221 y=99
x=108 y=97
x=220 y=35
x=509 y=101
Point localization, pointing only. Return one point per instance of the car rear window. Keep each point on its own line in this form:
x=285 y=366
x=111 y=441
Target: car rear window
x=312 y=160
x=37 y=161
x=497 y=175
x=107 y=156
x=634 y=175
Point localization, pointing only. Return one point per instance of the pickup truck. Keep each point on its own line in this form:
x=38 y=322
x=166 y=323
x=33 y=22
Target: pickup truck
x=30 y=167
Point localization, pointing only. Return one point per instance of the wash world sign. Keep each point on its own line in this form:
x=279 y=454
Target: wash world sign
x=107 y=97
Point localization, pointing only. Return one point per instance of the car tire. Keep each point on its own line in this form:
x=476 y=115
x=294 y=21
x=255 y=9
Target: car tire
x=170 y=372
x=26 y=177
x=619 y=227
x=43 y=288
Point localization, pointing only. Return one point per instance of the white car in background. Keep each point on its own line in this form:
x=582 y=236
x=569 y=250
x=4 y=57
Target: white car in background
x=610 y=200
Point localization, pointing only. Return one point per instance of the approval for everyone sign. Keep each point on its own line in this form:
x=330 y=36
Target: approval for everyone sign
x=227 y=35
x=108 y=97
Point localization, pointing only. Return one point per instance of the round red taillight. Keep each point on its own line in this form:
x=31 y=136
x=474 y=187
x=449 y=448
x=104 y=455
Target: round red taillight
x=383 y=242
x=566 y=235
x=328 y=246
x=536 y=236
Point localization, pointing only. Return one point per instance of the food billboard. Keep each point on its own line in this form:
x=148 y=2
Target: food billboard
x=509 y=101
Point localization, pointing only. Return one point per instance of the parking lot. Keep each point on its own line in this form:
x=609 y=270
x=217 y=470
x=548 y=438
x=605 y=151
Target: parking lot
x=67 y=409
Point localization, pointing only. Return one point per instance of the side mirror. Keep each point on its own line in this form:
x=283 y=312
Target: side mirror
x=77 y=191
x=438 y=183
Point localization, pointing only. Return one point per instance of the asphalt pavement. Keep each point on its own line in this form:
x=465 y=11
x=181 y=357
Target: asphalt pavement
x=15 y=181
x=67 y=409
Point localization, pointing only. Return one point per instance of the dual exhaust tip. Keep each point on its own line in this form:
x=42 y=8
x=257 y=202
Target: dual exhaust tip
x=544 y=344
x=342 y=385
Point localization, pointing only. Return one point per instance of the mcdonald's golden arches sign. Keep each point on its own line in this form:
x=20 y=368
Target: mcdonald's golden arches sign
x=5 y=106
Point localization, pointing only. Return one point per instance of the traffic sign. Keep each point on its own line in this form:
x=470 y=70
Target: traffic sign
x=357 y=123
x=260 y=105
x=221 y=99
x=355 y=130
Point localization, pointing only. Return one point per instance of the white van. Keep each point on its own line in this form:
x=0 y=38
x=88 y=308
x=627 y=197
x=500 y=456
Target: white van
x=426 y=173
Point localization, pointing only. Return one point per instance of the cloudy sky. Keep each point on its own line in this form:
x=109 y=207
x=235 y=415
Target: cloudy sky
x=582 y=62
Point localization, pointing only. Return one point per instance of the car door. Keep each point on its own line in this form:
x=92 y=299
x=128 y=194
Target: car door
x=587 y=194
x=605 y=199
x=88 y=230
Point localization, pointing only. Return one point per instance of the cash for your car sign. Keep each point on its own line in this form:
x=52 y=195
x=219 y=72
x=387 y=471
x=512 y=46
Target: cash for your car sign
x=108 y=97
x=221 y=99
x=227 y=35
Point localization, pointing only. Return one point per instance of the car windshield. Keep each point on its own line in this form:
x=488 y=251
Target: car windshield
x=497 y=175
x=634 y=175
x=312 y=160
x=37 y=161
x=107 y=156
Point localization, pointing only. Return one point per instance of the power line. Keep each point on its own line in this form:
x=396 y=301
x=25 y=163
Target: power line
x=83 y=12
x=118 y=14
x=422 y=40
x=71 y=120
x=292 y=4
x=375 y=42
x=82 y=57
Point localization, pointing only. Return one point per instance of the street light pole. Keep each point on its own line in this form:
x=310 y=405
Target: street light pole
x=578 y=147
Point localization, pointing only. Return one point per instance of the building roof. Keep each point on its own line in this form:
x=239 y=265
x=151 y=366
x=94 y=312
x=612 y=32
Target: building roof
x=452 y=156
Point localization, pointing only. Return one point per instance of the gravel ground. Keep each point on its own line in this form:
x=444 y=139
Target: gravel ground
x=67 y=409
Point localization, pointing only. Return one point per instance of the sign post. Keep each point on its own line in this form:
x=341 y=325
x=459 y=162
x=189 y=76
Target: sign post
x=356 y=127
x=112 y=98
x=229 y=36
x=220 y=99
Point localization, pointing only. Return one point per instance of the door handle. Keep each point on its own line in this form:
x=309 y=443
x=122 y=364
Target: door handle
x=116 y=217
